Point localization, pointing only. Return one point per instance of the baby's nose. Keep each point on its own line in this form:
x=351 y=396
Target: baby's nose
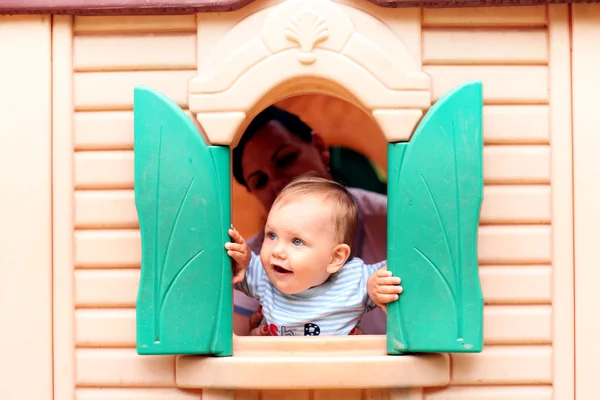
x=279 y=252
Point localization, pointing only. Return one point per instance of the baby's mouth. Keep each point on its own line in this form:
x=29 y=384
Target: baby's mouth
x=280 y=270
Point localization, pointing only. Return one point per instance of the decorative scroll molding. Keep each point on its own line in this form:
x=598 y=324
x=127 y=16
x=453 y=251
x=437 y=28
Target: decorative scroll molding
x=306 y=23
x=307 y=30
x=308 y=46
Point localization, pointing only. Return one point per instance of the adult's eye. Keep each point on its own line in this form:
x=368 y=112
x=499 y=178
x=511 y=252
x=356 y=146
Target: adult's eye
x=286 y=159
x=259 y=182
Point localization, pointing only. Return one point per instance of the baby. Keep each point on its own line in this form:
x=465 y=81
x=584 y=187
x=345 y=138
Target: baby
x=306 y=279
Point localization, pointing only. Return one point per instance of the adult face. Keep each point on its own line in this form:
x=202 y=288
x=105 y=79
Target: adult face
x=274 y=157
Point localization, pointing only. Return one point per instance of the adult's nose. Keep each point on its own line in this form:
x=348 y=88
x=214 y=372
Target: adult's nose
x=278 y=187
x=281 y=180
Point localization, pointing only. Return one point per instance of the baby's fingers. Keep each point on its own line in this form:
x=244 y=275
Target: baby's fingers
x=235 y=235
x=389 y=289
x=383 y=272
x=237 y=256
x=235 y=247
x=386 y=298
x=388 y=280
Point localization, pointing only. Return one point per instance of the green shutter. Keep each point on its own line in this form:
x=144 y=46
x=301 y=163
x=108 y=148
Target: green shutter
x=182 y=195
x=435 y=191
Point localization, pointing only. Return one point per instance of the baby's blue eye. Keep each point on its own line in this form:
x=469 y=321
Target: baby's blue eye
x=297 y=242
x=272 y=236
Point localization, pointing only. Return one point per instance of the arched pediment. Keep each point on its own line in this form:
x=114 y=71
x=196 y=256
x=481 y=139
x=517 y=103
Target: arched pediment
x=304 y=46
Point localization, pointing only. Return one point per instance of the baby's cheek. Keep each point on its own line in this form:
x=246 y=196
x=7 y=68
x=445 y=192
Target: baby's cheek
x=264 y=259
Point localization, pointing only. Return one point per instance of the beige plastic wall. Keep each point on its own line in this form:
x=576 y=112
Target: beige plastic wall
x=69 y=244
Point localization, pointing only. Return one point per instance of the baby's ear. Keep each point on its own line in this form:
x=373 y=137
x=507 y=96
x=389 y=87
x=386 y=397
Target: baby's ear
x=339 y=255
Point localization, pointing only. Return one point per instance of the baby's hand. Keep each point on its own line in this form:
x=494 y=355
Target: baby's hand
x=383 y=287
x=240 y=252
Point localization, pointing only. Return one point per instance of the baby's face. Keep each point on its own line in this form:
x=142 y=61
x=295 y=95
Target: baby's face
x=298 y=245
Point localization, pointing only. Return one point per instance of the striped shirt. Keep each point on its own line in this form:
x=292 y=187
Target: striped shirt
x=332 y=308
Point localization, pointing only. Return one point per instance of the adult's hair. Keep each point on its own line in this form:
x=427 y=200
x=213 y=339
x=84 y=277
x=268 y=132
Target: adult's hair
x=289 y=121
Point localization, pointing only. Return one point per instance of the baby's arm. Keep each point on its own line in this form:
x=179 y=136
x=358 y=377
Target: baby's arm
x=383 y=288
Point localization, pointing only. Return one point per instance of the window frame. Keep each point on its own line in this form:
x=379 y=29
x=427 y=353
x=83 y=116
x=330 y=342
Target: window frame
x=263 y=356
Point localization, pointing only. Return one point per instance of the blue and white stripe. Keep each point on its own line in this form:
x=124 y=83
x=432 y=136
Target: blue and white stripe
x=335 y=306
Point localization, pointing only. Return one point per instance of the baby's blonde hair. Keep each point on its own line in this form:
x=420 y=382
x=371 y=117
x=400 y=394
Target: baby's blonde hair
x=345 y=211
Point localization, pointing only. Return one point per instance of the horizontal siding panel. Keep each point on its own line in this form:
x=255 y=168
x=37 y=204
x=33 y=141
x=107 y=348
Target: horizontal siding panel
x=517 y=324
x=134 y=52
x=105 y=328
x=500 y=285
x=105 y=209
x=502 y=204
x=497 y=245
x=335 y=394
x=135 y=23
x=250 y=395
x=504 y=365
x=379 y=394
x=515 y=244
x=106 y=288
x=516 y=284
x=443 y=46
x=114 y=90
x=486 y=16
x=501 y=84
x=513 y=204
x=502 y=325
x=492 y=393
x=106 y=248
x=123 y=367
x=105 y=130
x=98 y=130
x=285 y=395
x=516 y=164
x=104 y=170
x=516 y=124
x=135 y=394
x=501 y=164
x=501 y=125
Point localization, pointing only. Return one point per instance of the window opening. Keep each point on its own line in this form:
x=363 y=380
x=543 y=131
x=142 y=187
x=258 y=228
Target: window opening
x=183 y=198
x=346 y=145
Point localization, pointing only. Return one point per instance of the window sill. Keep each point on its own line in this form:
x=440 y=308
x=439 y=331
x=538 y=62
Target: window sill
x=312 y=363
